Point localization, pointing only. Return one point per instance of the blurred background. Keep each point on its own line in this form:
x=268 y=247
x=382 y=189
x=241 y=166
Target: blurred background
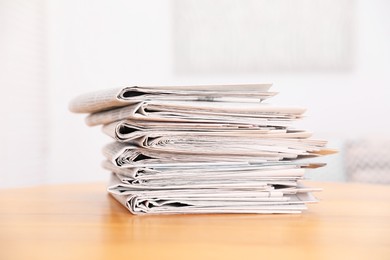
x=332 y=57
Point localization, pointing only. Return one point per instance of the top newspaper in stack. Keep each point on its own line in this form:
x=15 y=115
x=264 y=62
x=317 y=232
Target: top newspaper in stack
x=119 y=97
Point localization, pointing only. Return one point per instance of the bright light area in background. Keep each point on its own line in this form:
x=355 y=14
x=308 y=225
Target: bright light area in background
x=99 y=44
x=257 y=36
x=24 y=125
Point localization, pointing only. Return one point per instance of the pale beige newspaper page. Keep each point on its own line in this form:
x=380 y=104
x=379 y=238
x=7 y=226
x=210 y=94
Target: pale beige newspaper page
x=96 y=101
x=112 y=115
x=191 y=111
x=108 y=99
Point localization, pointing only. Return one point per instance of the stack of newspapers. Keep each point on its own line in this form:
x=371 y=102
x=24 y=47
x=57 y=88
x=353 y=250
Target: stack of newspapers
x=203 y=149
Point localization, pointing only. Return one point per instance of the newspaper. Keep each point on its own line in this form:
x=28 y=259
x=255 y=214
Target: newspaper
x=280 y=170
x=263 y=199
x=127 y=156
x=118 y=97
x=130 y=130
x=199 y=143
x=203 y=149
x=258 y=114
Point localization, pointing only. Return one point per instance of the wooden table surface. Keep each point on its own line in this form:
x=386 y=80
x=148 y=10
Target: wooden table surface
x=352 y=221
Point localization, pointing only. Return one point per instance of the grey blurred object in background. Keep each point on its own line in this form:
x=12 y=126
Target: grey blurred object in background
x=368 y=160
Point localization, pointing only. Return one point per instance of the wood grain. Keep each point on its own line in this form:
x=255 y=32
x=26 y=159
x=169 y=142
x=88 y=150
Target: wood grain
x=83 y=222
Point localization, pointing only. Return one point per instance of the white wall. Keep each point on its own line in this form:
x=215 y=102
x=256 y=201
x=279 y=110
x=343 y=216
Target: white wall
x=23 y=83
x=95 y=46
x=103 y=44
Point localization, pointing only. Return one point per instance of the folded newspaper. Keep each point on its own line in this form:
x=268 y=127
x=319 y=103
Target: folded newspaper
x=119 y=97
x=203 y=149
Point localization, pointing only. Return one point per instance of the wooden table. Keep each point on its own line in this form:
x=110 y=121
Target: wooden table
x=82 y=222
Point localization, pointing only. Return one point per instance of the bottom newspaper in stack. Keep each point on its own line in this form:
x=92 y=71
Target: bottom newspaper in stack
x=147 y=181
